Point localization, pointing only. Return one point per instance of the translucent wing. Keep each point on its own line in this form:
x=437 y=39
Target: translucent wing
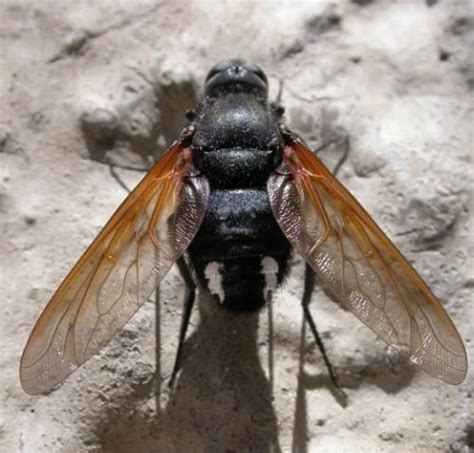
x=360 y=265
x=118 y=272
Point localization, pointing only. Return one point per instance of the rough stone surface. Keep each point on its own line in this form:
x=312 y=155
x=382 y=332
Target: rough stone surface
x=87 y=84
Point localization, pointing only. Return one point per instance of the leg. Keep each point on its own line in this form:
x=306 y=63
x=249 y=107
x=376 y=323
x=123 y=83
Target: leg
x=188 y=306
x=309 y=281
x=280 y=92
x=117 y=178
x=344 y=157
x=270 y=341
x=345 y=154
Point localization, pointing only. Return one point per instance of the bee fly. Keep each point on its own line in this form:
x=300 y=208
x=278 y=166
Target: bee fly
x=229 y=202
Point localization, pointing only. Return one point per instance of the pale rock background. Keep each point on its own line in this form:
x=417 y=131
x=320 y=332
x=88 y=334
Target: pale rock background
x=84 y=84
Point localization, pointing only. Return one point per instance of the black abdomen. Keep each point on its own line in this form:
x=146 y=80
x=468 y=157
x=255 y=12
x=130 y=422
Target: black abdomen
x=239 y=252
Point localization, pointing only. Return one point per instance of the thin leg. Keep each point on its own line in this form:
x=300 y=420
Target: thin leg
x=188 y=306
x=345 y=153
x=280 y=92
x=344 y=157
x=309 y=281
x=270 y=340
x=157 y=352
x=117 y=178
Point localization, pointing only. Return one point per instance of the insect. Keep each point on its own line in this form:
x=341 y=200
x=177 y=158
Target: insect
x=229 y=202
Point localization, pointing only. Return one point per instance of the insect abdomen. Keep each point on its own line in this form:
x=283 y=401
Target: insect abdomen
x=239 y=230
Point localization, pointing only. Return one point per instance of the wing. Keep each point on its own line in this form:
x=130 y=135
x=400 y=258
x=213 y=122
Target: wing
x=360 y=265
x=118 y=272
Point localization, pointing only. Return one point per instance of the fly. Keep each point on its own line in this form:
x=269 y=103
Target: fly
x=229 y=202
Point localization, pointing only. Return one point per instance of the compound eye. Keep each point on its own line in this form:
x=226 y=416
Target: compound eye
x=220 y=67
x=257 y=71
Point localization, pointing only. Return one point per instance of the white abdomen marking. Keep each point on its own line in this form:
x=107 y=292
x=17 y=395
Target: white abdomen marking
x=213 y=276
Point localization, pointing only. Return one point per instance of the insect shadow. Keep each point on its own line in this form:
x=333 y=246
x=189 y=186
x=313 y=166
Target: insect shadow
x=221 y=399
x=222 y=390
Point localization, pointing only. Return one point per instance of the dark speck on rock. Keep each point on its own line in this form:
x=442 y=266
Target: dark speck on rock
x=444 y=55
x=30 y=221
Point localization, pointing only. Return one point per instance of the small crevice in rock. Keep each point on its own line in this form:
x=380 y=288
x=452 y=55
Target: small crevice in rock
x=74 y=46
x=325 y=22
x=8 y=144
x=461 y=26
x=363 y=2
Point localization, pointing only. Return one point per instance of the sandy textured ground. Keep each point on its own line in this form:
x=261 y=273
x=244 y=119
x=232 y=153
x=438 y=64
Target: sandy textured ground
x=84 y=84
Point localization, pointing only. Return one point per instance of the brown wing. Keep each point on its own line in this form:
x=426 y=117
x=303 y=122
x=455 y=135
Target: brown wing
x=361 y=266
x=118 y=272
